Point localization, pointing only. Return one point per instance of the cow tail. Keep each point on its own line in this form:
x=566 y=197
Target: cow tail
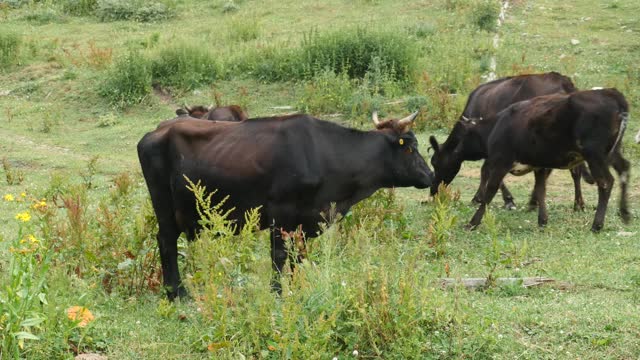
x=624 y=118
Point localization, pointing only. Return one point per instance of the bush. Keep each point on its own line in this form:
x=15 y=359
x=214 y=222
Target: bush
x=184 y=67
x=327 y=92
x=128 y=81
x=139 y=10
x=9 y=49
x=79 y=7
x=485 y=14
x=356 y=52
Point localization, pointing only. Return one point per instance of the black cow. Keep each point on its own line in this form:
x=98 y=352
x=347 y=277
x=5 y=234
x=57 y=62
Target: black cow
x=221 y=113
x=559 y=132
x=469 y=142
x=292 y=167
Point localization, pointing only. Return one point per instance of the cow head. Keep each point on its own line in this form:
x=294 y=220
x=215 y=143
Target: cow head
x=408 y=166
x=447 y=157
x=197 y=111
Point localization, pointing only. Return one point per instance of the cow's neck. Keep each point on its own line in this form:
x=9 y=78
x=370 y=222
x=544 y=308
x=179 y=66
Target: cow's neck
x=367 y=165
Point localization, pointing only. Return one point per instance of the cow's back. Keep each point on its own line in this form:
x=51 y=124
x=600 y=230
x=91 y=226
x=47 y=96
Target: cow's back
x=490 y=98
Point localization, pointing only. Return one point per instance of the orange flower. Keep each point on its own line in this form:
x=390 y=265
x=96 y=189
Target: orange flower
x=81 y=314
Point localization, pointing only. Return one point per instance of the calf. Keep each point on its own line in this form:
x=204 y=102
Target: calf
x=469 y=142
x=559 y=132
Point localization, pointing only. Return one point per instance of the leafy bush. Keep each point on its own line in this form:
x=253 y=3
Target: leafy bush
x=484 y=15
x=79 y=7
x=139 y=10
x=9 y=49
x=356 y=52
x=184 y=67
x=128 y=81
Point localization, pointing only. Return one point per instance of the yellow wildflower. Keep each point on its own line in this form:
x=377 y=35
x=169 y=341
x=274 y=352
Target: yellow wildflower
x=23 y=216
x=32 y=239
x=81 y=314
x=8 y=197
x=23 y=194
x=39 y=205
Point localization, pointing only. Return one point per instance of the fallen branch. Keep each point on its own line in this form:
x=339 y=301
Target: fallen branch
x=480 y=283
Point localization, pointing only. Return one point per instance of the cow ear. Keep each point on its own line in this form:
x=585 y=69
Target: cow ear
x=434 y=143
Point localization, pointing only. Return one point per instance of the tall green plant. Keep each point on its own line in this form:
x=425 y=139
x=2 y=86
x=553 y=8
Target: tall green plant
x=128 y=81
x=9 y=49
x=26 y=290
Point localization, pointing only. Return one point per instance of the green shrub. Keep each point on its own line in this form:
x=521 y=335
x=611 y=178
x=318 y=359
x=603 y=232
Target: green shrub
x=184 y=67
x=356 y=52
x=139 y=10
x=9 y=49
x=79 y=7
x=484 y=15
x=128 y=81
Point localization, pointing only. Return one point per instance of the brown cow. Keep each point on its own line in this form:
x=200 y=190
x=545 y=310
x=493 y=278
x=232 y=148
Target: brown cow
x=222 y=113
x=559 y=132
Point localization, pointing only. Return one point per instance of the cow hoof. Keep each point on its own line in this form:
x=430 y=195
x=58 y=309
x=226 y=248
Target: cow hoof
x=596 y=228
x=578 y=207
x=625 y=216
x=510 y=206
x=476 y=200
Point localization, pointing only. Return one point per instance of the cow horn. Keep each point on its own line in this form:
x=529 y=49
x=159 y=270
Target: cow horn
x=375 y=118
x=464 y=118
x=210 y=107
x=408 y=120
x=187 y=107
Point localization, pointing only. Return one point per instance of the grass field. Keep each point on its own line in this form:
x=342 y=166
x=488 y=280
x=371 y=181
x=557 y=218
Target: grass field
x=78 y=90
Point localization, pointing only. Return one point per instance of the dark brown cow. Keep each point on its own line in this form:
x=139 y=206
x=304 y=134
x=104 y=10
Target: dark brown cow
x=559 y=132
x=222 y=113
x=469 y=142
x=293 y=168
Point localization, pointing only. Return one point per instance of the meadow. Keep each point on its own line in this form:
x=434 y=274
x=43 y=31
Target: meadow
x=81 y=81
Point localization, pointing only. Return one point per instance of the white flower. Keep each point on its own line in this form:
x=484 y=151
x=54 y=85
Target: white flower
x=355 y=353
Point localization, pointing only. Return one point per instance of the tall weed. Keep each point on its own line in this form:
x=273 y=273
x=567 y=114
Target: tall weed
x=9 y=49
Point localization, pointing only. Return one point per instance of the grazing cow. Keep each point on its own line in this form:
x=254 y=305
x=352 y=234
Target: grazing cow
x=292 y=167
x=470 y=142
x=222 y=113
x=559 y=132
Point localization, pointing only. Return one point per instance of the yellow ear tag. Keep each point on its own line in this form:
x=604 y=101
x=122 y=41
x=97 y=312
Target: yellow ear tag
x=401 y=142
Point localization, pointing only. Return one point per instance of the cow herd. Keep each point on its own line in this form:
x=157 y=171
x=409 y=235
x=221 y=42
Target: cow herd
x=295 y=168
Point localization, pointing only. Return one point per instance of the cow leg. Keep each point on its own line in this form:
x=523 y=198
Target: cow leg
x=540 y=192
x=576 y=175
x=621 y=165
x=507 y=197
x=604 y=180
x=168 y=245
x=533 y=199
x=509 y=204
x=278 y=257
x=491 y=177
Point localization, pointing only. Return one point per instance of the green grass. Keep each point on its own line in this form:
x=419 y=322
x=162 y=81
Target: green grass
x=372 y=285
